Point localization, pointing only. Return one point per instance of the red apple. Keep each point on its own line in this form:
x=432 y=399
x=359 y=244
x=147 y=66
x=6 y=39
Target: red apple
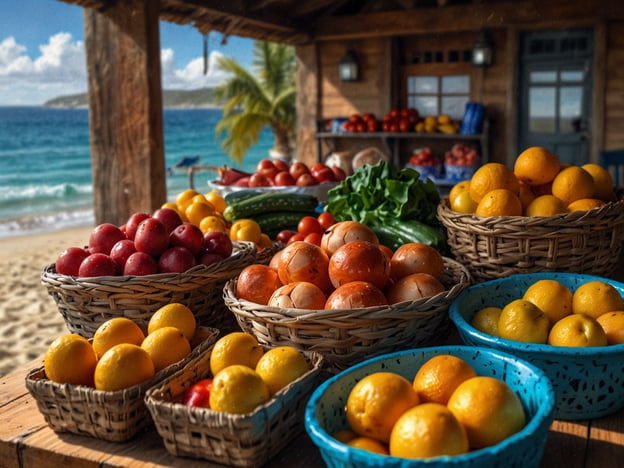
x=283 y=178
x=97 y=264
x=187 y=235
x=140 y=264
x=103 y=237
x=209 y=258
x=219 y=243
x=176 y=260
x=170 y=218
x=133 y=223
x=69 y=260
x=297 y=169
x=120 y=253
x=305 y=180
x=151 y=237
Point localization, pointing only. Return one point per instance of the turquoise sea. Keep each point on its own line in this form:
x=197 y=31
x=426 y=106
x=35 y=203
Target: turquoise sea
x=45 y=165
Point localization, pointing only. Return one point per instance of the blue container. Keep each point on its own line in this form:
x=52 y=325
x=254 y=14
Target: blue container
x=325 y=410
x=588 y=382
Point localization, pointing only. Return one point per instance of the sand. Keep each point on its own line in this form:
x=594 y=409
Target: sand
x=29 y=318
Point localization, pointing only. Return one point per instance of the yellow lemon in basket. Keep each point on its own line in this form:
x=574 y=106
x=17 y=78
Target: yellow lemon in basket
x=115 y=331
x=217 y=200
x=613 y=325
x=198 y=210
x=213 y=223
x=235 y=348
x=573 y=183
x=545 y=205
x=280 y=366
x=552 y=297
x=459 y=187
x=463 y=203
x=585 y=204
x=238 y=389
x=536 y=166
x=183 y=200
x=123 y=366
x=499 y=202
x=174 y=315
x=488 y=409
x=521 y=320
x=70 y=359
x=369 y=444
x=376 y=402
x=486 y=320
x=577 y=330
x=437 y=378
x=595 y=298
x=603 y=182
x=166 y=346
x=428 y=430
x=492 y=176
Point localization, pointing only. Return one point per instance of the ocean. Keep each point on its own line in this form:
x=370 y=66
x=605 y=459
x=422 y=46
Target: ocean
x=45 y=165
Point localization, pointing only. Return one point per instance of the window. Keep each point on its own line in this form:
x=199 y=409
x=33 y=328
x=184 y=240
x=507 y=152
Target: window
x=435 y=95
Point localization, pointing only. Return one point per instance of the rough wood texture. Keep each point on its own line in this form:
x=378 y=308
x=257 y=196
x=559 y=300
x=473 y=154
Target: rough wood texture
x=307 y=102
x=125 y=102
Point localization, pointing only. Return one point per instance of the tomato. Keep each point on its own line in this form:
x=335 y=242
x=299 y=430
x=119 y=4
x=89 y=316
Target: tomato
x=281 y=165
x=296 y=237
x=339 y=173
x=306 y=180
x=284 y=235
x=259 y=180
x=199 y=394
x=326 y=219
x=269 y=172
x=308 y=225
x=297 y=169
x=323 y=174
x=283 y=178
x=264 y=164
x=404 y=125
x=313 y=238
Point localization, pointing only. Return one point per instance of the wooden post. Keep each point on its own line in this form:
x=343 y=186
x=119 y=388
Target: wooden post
x=307 y=103
x=125 y=109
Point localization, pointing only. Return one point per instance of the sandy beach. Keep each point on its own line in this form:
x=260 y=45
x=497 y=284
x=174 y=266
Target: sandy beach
x=29 y=318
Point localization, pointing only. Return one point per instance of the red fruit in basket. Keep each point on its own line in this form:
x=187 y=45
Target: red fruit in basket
x=343 y=232
x=120 y=253
x=176 y=260
x=256 y=283
x=359 y=261
x=217 y=242
x=69 y=260
x=133 y=223
x=103 y=237
x=413 y=287
x=302 y=261
x=208 y=258
x=140 y=264
x=151 y=237
x=198 y=394
x=298 y=295
x=97 y=264
x=356 y=295
x=416 y=258
x=170 y=218
x=189 y=236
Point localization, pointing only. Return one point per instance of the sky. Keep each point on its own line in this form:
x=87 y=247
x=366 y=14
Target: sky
x=42 y=53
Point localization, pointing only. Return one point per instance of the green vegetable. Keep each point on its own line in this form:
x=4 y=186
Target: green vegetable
x=275 y=221
x=238 y=196
x=268 y=202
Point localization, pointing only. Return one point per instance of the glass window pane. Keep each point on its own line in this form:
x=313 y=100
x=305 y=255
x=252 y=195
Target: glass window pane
x=455 y=84
x=542 y=109
x=426 y=105
x=454 y=106
x=543 y=76
x=572 y=75
x=570 y=108
x=411 y=84
x=426 y=84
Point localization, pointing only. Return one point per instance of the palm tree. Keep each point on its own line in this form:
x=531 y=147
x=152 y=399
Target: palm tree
x=253 y=102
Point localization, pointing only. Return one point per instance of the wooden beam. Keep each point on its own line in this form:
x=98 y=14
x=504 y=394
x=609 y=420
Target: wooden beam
x=308 y=103
x=125 y=109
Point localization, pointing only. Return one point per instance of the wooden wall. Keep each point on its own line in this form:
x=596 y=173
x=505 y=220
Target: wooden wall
x=614 y=87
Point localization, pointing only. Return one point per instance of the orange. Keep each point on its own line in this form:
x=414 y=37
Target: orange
x=369 y=444
x=437 y=378
x=172 y=206
x=198 y=210
x=114 y=331
x=499 y=202
x=344 y=436
x=492 y=176
x=573 y=183
x=603 y=182
x=213 y=223
x=526 y=195
x=216 y=200
x=488 y=409
x=463 y=203
x=235 y=348
x=577 y=330
x=459 y=187
x=536 y=166
x=521 y=320
x=585 y=204
x=552 y=297
x=238 y=389
x=545 y=205
x=613 y=325
x=280 y=366
x=166 y=345
x=123 y=366
x=428 y=430
x=376 y=402
x=595 y=298
x=174 y=315
x=183 y=200
x=486 y=320
x=70 y=359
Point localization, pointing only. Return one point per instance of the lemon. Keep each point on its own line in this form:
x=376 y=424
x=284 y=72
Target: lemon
x=235 y=348
x=70 y=359
x=166 y=346
x=280 y=366
x=174 y=315
x=238 y=389
x=115 y=331
x=123 y=366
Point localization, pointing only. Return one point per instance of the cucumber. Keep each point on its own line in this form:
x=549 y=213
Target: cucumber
x=238 y=196
x=395 y=233
x=270 y=202
x=275 y=221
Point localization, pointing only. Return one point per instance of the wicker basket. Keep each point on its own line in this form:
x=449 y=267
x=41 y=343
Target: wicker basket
x=577 y=242
x=231 y=439
x=264 y=256
x=346 y=337
x=85 y=303
x=113 y=416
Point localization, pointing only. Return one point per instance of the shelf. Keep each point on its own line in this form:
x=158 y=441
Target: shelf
x=403 y=135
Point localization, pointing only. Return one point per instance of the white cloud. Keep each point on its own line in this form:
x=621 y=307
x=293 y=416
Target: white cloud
x=60 y=70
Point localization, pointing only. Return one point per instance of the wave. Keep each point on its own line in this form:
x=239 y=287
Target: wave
x=42 y=223
x=9 y=194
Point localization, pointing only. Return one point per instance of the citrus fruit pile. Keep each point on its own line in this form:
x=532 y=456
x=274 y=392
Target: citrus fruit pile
x=120 y=355
x=447 y=409
x=550 y=313
x=244 y=375
x=538 y=185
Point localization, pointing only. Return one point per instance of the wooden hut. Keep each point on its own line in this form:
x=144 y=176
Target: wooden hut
x=555 y=78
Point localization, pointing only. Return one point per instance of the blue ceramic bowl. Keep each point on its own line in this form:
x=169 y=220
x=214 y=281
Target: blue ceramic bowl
x=325 y=410
x=588 y=382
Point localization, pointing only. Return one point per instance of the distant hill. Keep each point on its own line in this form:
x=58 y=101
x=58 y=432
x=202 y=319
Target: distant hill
x=203 y=97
